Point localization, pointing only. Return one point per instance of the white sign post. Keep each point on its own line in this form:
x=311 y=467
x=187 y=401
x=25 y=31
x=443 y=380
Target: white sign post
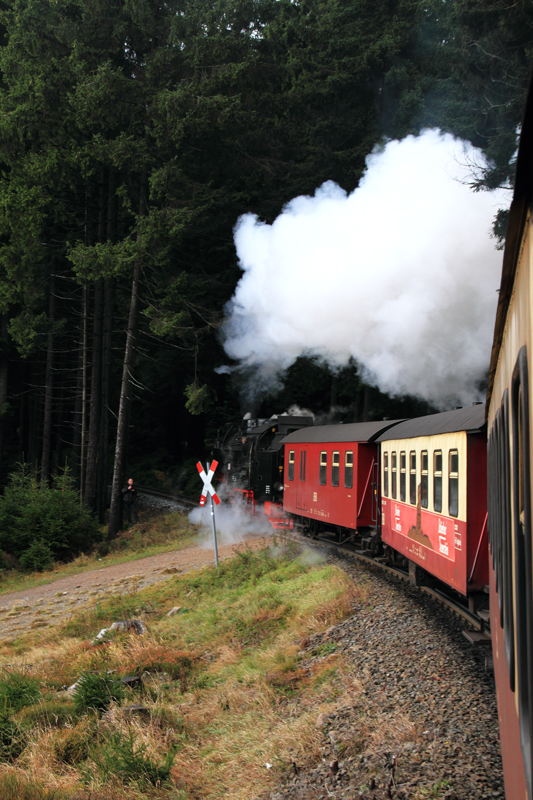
x=208 y=489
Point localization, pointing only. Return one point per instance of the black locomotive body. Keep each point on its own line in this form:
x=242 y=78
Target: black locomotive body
x=251 y=457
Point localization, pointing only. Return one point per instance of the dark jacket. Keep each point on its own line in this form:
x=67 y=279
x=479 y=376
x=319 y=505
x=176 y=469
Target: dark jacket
x=128 y=495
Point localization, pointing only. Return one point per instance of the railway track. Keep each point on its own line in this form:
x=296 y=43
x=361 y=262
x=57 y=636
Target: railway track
x=186 y=502
x=479 y=621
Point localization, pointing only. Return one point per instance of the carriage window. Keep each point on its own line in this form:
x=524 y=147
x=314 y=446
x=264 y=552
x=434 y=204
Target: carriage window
x=393 y=474
x=424 y=479
x=323 y=474
x=335 y=467
x=303 y=459
x=453 y=483
x=403 y=476
x=290 y=474
x=386 y=474
x=522 y=547
x=412 y=478
x=348 y=469
x=437 y=480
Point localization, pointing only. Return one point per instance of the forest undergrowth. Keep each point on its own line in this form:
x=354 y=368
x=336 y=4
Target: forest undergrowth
x=216 y=703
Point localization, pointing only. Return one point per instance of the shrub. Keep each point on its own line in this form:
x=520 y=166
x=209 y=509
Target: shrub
x=130 y=763
x=96 y=692
x=12 y=738
x=18 y=690
x=40 y=523
x=72 y=747
x=48 y=713
x=37 y=557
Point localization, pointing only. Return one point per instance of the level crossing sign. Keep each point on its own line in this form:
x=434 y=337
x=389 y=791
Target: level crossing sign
x=208 y=487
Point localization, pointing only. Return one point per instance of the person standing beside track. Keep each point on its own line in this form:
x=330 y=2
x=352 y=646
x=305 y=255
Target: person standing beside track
x=128 y=501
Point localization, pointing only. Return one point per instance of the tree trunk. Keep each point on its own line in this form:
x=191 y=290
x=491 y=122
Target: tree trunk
x=107 y=345
x=115 y=512
x=106 y=378
x=48 y=388
x=32 y=452
x=89 y=491
x=3 y=384
x=83 y=419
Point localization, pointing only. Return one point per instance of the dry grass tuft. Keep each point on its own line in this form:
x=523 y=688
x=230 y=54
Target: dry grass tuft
x=229 y=655
x=232 y=760
x=392 y=730
x=336 y=609
x=148 y=655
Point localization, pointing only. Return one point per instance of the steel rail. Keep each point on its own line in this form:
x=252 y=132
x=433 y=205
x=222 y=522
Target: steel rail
x=173 y=496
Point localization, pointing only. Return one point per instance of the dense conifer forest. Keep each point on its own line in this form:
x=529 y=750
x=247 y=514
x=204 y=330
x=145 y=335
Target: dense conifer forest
x=134 y=133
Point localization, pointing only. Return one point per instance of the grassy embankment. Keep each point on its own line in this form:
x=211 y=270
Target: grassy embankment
x=223 y=691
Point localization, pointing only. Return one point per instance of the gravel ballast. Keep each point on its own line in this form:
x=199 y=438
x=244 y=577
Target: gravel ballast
x=422 y=721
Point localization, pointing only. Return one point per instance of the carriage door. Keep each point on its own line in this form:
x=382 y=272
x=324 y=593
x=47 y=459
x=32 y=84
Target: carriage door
x=301 y=482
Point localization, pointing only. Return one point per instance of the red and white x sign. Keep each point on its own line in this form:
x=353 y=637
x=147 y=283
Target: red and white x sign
x=207 y=482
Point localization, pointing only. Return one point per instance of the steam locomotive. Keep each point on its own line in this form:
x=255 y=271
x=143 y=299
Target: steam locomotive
x=416 y=490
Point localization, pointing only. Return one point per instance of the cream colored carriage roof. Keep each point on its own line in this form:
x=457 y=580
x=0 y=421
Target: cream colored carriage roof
x=470 y=419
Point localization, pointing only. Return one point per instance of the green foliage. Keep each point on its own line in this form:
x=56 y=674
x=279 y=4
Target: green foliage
x=41 y=523
x=96 y=692
x=18 y=690
x=325 y=649
x=37 y=557
x=122 y=757
x=247 y=567
x=199 y=398
x=102 y=260
x=187 y=479
x=14 y=786
x=48 y=712
x=72 y=747
x=208 y=111
x=12 y=738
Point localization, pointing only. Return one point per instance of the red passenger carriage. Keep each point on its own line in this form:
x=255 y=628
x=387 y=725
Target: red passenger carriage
x=331 y=475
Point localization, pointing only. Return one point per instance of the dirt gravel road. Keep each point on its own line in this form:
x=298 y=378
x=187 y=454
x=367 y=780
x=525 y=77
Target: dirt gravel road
x=54 y=602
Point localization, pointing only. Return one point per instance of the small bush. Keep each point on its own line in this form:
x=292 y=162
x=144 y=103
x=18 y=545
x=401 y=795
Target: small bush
x=97 y=692
x=167 y=718
x=72 y=747
x=18 y=690
x=49 y=713
x=42 y=523
x=37 y=557
x=12 y=738
x=104 y=548
x=130 y=763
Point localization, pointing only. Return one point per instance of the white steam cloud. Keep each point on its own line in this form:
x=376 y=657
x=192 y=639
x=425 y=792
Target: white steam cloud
x=401 y=275
x=234 y=523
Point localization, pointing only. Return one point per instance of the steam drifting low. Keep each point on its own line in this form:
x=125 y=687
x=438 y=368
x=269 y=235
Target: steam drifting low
x=401 y=275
